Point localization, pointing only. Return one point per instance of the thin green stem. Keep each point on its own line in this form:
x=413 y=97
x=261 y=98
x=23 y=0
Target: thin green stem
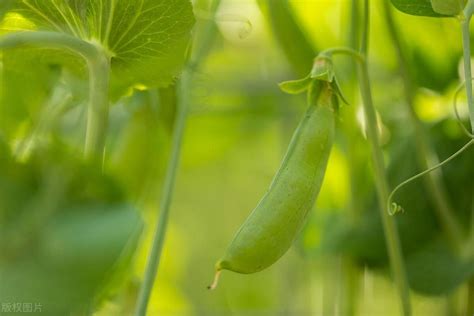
x=98 y=111
x=424 y=151
x=390 y=229
x=466 y=40
x=166 y=196
x=456 y=112
x=184 y=86
x=352 y=141
x=470 y=298
x=99 y=70
x=392 y=206
x=48 y=40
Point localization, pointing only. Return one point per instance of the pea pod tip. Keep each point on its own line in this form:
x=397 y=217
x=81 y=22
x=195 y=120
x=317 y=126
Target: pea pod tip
x=215 y=282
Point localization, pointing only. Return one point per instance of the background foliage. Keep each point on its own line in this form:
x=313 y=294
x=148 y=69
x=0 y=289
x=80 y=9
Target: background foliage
x=238 y=128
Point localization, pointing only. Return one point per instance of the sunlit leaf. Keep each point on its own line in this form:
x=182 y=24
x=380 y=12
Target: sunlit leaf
x=448 y=7
x=146 y=39
x=417 y=7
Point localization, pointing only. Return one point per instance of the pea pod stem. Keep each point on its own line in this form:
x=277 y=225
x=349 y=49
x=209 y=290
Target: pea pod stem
x=424 y=151
x=215 y=282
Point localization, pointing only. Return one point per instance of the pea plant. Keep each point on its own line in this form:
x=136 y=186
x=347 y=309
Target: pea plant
x=72 y=218
x=274 y=224
x=68 y=226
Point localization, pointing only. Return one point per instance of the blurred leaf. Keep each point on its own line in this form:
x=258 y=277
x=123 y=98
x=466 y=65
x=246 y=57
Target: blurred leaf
x=25 y=87
x=436 y=270
x=145 y=39
x=66 y=231
x=417 y=7
x=4 y=7
x=88 y=240
x=295 y=44
x=448 y=7
x=142 y=150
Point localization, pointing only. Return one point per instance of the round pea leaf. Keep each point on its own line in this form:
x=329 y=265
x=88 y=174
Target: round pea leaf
x=417 y=7
x=146 y=40
x=448 y=7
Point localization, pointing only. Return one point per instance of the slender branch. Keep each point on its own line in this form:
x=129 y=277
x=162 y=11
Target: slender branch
x=350 y=270
x=184 y=86
x=343 y=51
x=390 y=229
x=49 y=40
x=98 y=111
x=167 y=194
x=466 y=41
x=425 y=152
x=99 y=69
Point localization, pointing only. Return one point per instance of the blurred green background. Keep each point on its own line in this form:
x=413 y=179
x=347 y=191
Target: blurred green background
x=238 y=129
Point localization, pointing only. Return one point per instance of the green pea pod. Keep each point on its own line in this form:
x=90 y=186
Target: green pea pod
x=273 y=225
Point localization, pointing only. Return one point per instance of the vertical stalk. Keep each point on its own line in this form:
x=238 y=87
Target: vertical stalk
x=166 y=196
x=470 y=298
x=184 y=86
x=352 y=140
x=390 y=229
x=466 y=45
x=425 y=152
x=98 y=110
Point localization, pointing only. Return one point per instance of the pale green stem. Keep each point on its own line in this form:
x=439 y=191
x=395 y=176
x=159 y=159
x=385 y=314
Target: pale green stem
x=381 y=181
x=184 y=87
x=98 y=111
x=466 y=40
x=424 y=150
x=390 y=229
x=166 y=196
x=382 y=187
x=99 y=69
x=470 y=298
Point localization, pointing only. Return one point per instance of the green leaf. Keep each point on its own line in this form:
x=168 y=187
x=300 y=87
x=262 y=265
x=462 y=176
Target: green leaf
x=436 y=270
x=296 y=86
x=62 y=248
x=448 y=7
x=417 y=7
x=145 y=39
